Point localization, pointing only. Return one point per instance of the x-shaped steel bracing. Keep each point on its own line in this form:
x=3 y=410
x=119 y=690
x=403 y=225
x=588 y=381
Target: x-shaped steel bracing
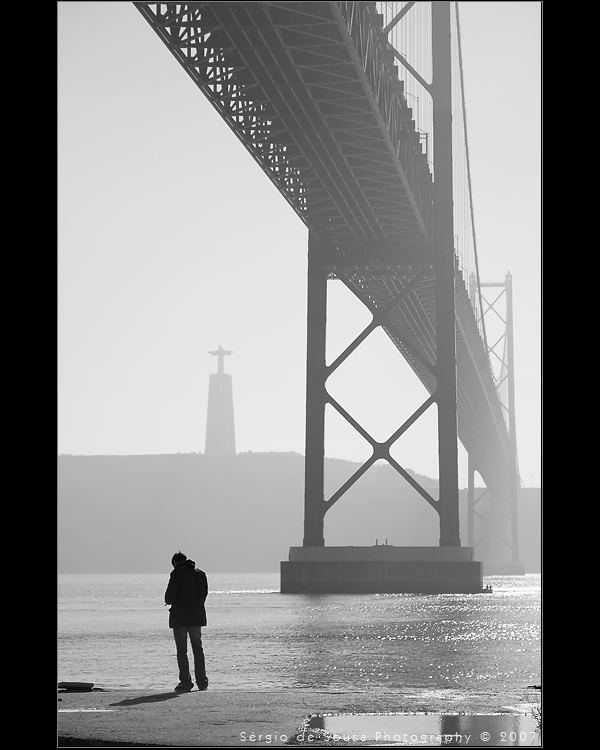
x=492 y=529
x=381 y=450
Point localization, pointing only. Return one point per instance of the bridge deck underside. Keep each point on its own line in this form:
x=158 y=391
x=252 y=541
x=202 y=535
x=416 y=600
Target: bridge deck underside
x=312 y=92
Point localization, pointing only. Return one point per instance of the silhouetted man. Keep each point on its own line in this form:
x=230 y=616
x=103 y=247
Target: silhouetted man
x=186 y=593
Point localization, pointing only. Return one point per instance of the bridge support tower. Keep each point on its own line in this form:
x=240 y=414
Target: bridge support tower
x=493 y=513
x=449 y=567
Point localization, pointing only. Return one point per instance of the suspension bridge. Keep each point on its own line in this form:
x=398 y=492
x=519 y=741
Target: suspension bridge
x=356 y=111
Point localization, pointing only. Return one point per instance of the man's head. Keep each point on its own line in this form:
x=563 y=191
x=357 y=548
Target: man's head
x=177 y=558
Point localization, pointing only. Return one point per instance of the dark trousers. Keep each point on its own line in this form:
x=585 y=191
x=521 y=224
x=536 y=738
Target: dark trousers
x=180 y=634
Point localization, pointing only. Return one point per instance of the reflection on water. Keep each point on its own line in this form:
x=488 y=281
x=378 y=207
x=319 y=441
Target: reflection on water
x=113 y=631
x=424 y=730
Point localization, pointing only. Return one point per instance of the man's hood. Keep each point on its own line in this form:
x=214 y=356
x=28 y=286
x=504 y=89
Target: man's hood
x=186 y=564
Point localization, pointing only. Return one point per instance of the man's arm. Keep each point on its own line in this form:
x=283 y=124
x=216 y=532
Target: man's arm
x=171 y=592
x=202 y=587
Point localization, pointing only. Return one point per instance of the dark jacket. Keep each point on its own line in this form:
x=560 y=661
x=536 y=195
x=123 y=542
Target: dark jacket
x=186 y=593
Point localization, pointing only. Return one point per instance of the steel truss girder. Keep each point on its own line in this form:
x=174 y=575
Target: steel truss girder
x=233 y=51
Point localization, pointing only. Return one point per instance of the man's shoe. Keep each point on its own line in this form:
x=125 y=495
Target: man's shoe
x=203 y=685
x=183 y=687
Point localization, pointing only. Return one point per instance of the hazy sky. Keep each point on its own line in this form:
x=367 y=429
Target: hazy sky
x=172 y=241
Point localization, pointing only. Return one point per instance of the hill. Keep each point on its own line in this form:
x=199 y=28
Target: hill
x=128 y=514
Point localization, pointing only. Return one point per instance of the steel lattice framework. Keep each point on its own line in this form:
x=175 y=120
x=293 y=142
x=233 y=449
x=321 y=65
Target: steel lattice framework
x=312 y=91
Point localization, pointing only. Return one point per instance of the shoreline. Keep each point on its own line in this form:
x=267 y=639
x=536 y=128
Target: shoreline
x=229 y=718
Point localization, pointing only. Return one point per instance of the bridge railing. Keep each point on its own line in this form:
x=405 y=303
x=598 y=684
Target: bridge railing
x=365 y=26
x=407 y=27
x=411 y=38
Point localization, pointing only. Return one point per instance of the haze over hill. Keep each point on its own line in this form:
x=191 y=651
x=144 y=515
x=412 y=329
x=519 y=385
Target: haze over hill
x=128 y=514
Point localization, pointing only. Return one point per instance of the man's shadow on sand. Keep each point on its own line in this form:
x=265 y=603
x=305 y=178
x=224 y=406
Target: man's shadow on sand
x=148 y=699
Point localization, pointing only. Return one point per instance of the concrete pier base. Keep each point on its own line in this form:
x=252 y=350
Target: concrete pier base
x=504 y=568
x=381 y=569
